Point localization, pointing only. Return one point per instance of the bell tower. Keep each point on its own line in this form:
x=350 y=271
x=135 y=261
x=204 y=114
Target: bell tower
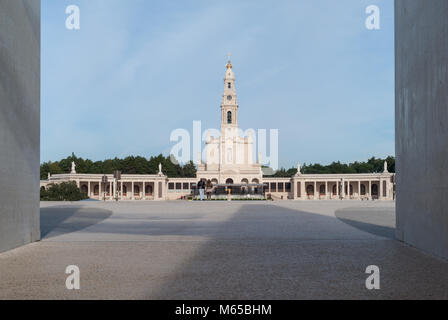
x=229 y=156
x=229 y=105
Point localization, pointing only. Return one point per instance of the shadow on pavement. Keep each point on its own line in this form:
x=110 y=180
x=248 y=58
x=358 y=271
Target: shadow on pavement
x=377 y=221
x=55 y=221
x=273 y=252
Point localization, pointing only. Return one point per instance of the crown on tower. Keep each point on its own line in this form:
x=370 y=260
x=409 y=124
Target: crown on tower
x=229 y=65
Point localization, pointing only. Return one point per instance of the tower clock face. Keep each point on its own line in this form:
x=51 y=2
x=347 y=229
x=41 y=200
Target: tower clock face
x=229 y=97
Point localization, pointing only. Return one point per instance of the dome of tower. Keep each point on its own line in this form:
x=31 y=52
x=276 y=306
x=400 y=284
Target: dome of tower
x=229 y=71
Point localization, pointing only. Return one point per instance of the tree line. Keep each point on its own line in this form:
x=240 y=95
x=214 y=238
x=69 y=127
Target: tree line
x=373 y=165
x=128 y=165
x=141 y=165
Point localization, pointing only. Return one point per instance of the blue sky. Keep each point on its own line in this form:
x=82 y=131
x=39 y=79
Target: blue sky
x=138 y=69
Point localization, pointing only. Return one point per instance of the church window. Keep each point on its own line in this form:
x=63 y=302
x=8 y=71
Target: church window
x=229 y=117
x=229 y=85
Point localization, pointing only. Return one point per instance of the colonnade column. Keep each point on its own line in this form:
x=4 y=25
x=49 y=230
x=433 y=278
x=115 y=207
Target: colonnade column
x=337 y=189
x=88 y=188
x=143 y=191
x=110 y=191
x=294 y=189
x=121 y=190
x=359 y=189
x=326 y=189
x=132 y=190
x=163 y=188
x=302 y=189
x=99 y=191
x=315 y=190
x=156 y=190
x=348 y=190
x=370 y=190
x=387 y=191
x=380 y=196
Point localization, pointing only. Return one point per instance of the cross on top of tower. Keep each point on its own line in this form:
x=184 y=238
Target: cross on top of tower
x=229 y=64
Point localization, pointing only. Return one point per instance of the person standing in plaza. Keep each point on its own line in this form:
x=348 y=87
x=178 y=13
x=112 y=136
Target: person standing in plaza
x=208 y=189
x=201 y=187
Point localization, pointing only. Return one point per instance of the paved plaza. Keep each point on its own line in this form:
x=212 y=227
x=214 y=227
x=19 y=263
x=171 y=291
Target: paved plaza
x=220 y=250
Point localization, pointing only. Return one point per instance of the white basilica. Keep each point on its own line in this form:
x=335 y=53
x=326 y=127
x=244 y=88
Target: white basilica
x=229 y=156
x=229 y=160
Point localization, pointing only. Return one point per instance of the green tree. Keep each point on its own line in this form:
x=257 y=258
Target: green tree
x=49 y=167
x=65 y=191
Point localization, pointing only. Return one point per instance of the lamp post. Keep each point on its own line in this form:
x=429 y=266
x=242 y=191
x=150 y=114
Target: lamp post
x=104 y=183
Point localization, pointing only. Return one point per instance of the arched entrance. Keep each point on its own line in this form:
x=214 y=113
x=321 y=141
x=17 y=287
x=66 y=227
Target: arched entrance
x=310 y=190
x=350 y=188
x=96 y=190
x=374 y=190
x=322 y=190
x=148 y=190
x=363 y=190
x=229 y=181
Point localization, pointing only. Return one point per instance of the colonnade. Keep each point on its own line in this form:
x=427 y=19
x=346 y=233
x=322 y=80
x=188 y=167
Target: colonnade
x=361 y=189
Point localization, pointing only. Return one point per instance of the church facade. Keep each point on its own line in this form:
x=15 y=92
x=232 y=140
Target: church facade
x=229 y=160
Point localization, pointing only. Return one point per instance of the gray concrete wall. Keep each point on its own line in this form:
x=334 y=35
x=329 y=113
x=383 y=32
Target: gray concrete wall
x=421 y=49
x=19 y=122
